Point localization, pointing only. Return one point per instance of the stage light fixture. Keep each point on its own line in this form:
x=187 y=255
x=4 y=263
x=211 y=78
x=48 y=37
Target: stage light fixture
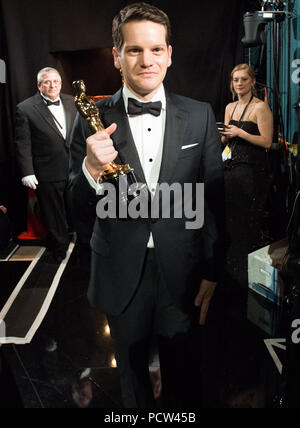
x=255 y=22
x=255 y=26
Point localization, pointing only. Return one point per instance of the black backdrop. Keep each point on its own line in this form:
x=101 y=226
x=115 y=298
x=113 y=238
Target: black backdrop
x=206 y=41
x=75 y=37
x=6 y=128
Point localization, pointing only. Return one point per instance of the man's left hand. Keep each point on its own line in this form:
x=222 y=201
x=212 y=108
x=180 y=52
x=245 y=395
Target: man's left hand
x=206 y=292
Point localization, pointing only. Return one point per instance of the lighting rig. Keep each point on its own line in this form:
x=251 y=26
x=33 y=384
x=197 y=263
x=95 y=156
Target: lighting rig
x=272 y=12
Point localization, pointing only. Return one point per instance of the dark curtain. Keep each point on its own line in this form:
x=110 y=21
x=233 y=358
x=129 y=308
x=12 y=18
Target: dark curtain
x=206 y=41
x=6 y=128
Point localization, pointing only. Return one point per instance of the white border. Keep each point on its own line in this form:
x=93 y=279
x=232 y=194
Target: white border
x=46 y=304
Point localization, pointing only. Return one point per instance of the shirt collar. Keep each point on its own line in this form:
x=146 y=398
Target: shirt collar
x=159 y=96
x=49 y=99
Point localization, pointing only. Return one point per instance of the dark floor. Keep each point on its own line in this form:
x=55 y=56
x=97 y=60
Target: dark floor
x=69 y=363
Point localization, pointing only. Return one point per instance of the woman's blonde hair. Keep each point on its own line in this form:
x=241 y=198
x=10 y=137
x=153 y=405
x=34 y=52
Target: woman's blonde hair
x=249 y=69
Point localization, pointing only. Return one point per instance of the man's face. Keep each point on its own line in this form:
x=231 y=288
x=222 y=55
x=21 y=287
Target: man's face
x=144 y=57
x=51 y=85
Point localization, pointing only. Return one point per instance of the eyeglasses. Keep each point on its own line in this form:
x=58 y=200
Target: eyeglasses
x=51 y=82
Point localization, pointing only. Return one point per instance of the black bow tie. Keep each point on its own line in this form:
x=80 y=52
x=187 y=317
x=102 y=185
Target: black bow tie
x=136 y=108
x=53 y=103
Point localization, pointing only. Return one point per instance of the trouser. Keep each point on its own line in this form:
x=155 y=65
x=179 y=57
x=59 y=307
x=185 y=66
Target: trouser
x=54 y=202
x=152 y=313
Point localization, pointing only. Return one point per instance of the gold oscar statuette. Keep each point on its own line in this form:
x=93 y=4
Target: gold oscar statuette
x=88 y=109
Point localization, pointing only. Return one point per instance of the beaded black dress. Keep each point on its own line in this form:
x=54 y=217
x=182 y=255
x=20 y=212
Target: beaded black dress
x=247 y=183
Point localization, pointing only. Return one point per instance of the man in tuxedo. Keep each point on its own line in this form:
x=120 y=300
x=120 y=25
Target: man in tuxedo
x=150 y=274
x=43 y=127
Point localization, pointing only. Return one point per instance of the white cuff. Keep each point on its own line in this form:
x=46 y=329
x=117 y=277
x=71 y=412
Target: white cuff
x=94 y=184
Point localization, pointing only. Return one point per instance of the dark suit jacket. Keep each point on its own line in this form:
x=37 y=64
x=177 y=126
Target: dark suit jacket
x=40 y=147
x=118 y=246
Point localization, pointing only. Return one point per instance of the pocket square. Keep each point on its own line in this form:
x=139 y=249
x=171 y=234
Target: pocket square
x=189 y=146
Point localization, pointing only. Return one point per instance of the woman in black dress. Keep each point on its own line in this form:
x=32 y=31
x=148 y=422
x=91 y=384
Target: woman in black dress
x=247 y=138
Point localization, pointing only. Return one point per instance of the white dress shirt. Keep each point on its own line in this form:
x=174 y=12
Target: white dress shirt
x=59 y=114
x=148 y=134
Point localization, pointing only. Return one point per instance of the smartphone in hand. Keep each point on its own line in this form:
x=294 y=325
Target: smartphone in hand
x=221 y=126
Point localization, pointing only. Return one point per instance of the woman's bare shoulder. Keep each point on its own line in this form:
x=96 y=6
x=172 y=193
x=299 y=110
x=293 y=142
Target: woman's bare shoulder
x=262 y=107
x=230 y=106
x=259 y=103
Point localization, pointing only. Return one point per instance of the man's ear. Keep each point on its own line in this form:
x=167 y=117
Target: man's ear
x=116 y=58
x=170 y=56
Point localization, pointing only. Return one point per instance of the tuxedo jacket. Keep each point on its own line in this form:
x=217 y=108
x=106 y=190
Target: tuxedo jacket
x=40 y=147
x=119 y=246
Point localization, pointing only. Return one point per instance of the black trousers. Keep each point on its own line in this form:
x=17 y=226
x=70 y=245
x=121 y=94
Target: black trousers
x=54 y=200
x=152 y=314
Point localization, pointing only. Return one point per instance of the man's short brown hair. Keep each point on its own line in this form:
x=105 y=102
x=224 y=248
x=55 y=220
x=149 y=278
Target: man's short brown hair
x=138 y=12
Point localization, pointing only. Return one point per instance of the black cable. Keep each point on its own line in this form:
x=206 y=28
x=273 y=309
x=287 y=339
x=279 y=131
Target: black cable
x=279 y=114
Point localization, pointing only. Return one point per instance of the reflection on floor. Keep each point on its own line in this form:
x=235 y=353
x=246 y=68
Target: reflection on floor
x=70 y=362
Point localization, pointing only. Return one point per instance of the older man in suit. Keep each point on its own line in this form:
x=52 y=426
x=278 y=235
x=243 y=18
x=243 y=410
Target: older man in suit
x=149 y=274
x=43 y=127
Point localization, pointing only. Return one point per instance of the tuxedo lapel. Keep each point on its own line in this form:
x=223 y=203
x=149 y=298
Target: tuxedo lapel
x=68 y=113
x=122 y=137
x=176 y=122
x=44 y=112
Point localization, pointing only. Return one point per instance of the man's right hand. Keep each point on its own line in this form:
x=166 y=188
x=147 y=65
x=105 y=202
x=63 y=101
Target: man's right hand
x=100 y=151
x=30 y=181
